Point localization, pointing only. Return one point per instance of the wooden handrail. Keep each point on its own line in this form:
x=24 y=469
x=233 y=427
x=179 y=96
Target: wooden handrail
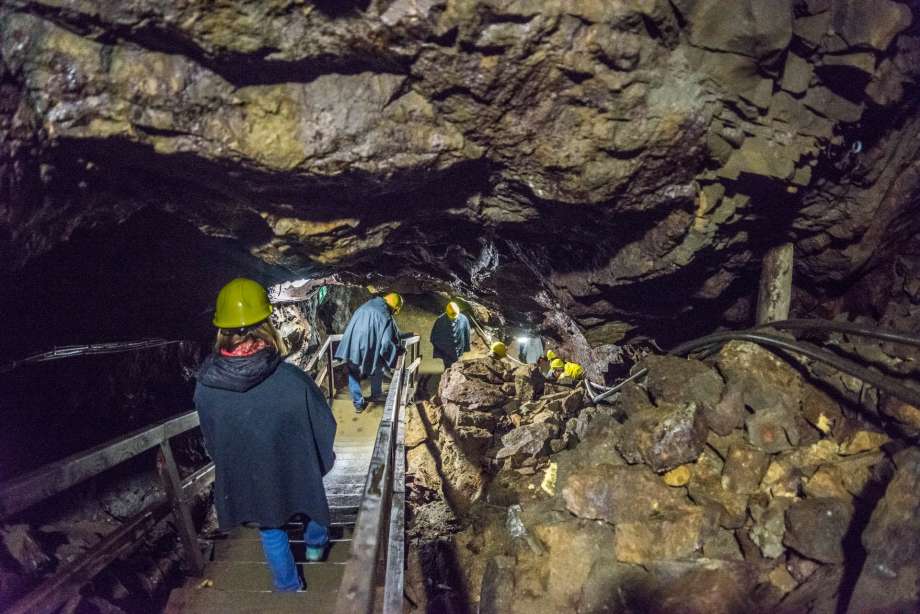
x=379 y=529
x=23 y=492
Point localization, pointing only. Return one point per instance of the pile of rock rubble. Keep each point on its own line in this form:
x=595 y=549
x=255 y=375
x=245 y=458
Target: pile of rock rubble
x=721 y=486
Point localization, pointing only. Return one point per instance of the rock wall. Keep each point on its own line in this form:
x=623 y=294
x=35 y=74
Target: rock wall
x=627 y=162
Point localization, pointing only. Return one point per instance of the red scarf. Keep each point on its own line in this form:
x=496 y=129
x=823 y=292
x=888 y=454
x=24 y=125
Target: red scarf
x=246 y=348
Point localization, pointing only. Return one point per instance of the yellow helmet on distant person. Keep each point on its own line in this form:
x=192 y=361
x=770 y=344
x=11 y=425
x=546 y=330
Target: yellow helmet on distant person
x=498 y=349
x=557 y=363
x=452 y=310
x=241 y=303
x=551 y=355
x=573 y=370
x=395 y=301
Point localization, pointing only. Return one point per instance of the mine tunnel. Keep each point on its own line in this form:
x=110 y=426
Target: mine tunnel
x=460 y=306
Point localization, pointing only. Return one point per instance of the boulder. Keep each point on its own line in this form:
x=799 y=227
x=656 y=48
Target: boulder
x=744 y=469
x=618 y=493
x=728 y=414
x=891 y=573
x=673 y=534
x=763 y=380
x=523 y=445
x=722 y=544
x=681 y=381
x=769 y=526
x=706 y=489
x=664 y=437
x=746 y=27
x=421 y=465
x=797 y=74
x=633 y=399
x=773 y=429
x=573 y=548
x=528 y=383
x=815 y=528
x=872 y=25
x=820 y=410
x=827 y=482
x=825 y=102
x=863 y=441
x=461 y=386
x=416 y=429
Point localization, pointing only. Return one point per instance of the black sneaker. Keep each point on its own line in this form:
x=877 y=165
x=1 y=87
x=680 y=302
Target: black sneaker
x=379 y=398
x=360 y=408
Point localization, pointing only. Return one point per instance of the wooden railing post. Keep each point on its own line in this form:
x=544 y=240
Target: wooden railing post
x=331 y=357
x=169 y=473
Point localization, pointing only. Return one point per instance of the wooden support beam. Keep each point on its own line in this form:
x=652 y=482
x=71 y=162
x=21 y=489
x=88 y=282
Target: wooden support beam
x=169 y=474
x=774 y=296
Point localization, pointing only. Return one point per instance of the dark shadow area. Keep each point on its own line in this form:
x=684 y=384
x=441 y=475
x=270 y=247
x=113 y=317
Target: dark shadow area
x=152 y=276
x=337 y=8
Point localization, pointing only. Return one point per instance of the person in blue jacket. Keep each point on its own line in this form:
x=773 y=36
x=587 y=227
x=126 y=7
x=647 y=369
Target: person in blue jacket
x=369 y=344
x=268 y=429
x=450 y=335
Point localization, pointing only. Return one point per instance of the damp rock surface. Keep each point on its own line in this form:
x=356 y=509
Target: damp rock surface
x=731 y=525
x=630 y=159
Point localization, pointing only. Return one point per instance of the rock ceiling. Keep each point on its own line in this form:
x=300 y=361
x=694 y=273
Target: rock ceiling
x=623 y=161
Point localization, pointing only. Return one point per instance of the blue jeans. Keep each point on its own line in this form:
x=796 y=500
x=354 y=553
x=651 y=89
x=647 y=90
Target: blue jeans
x=280 y=560
x=354 y=385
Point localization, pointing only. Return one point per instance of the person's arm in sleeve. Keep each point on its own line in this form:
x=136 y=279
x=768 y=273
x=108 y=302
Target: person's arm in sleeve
x=389 y=345
x=466 y=336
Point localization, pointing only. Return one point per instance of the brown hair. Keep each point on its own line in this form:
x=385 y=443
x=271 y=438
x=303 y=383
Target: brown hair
x=229 y=338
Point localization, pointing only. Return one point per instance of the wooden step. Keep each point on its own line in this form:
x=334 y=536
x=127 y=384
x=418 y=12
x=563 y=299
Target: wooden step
x=245 y=576
x=214 y=600
x=250 y=551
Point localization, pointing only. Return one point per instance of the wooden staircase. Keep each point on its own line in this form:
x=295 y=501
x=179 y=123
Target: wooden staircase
x=236 y=579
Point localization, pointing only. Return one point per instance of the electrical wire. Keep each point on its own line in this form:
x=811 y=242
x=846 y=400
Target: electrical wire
x=72 y=351
x=874 y=332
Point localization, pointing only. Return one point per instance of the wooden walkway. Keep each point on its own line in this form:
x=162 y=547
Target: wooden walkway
x=237 y=580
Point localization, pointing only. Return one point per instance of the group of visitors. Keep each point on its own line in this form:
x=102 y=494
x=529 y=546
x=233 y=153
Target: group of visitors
x=269 y=429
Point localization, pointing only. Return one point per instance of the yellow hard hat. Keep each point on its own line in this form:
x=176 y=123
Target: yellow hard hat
x=551 y=355
x=498 y=348
x=557 y=363
x=452 y=310
x=395 y=301
x=574 y=370
x=242 y=302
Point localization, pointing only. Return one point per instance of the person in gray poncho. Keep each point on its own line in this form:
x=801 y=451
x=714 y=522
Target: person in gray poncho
x=450 y=335
x=369 y=344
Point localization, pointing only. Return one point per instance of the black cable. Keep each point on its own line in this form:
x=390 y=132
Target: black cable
x=873 y=332
x=882 y=382
x=70 y=351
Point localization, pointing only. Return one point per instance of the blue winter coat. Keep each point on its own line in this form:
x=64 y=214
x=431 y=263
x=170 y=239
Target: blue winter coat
x=270 y=433
x=450 y=338
x=371 y=339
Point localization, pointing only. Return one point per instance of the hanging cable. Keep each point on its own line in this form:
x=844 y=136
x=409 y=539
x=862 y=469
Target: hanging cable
x=72 y=351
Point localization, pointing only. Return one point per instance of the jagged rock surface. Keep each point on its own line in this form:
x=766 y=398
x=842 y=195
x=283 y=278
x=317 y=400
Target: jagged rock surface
x=662 y=145
x=713 y=521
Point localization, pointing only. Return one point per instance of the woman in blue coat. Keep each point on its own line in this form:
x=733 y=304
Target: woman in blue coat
x=268 y=429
